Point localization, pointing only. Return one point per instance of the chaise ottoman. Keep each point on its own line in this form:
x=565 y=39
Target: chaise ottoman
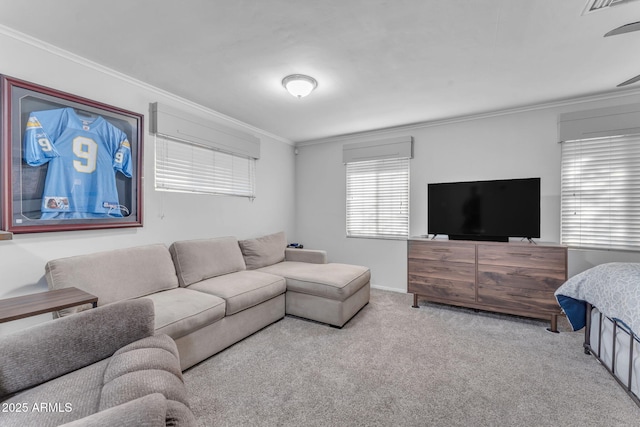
x=329 y=293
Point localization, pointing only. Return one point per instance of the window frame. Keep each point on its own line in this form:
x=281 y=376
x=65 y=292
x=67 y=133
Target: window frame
x=600 y=172
x=355 y=224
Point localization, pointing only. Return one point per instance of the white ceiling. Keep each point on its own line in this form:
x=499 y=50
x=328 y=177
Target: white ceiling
x=379 y=63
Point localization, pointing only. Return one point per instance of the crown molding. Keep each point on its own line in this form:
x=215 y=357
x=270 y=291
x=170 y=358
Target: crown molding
x=459 y=119
x=62 y=53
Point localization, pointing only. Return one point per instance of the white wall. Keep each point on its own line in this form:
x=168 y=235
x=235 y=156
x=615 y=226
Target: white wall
x=167 y=216
x=517 y=144
x=302 y=194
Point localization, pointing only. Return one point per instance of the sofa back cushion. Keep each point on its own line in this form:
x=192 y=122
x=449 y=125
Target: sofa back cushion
x=197 y=260
x=263 y=251
x=115 y=275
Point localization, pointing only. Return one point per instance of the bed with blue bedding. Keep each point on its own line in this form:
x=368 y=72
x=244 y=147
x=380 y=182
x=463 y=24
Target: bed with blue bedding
x=605 y=300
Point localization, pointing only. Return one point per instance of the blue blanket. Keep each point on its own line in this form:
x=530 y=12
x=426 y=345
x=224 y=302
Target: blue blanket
x=614 y=288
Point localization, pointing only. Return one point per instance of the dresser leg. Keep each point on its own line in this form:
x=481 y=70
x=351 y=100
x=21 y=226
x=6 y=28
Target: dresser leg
x=415 y=301
x=554 y=324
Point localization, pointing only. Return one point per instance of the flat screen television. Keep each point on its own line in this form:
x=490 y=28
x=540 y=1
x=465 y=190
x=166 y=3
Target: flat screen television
x=485 y=210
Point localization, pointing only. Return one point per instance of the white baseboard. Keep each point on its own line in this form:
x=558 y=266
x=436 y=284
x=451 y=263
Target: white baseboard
x=386 y=288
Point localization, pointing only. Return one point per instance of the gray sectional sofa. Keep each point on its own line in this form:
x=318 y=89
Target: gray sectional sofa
x=211 y=293
x=160 y=311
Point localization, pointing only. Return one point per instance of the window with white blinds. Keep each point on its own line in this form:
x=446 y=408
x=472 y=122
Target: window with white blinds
x=600 y=196
x=378 y=198
x=191 y=168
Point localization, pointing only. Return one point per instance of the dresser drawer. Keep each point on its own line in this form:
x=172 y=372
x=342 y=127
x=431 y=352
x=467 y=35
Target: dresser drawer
x=520 y=277
x=442 y=289
x=445 y=291
x=442 y=252
x=462 y=272
x=539 y=257
x=518 y=300
x=442 y=281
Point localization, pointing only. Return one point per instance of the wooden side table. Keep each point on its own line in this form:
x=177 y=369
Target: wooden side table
x=43 y=302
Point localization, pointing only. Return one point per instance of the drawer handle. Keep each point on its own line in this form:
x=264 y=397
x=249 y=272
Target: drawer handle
x=523 y=255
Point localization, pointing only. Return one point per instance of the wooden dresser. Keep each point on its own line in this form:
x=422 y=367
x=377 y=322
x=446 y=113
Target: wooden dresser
x=515 y=278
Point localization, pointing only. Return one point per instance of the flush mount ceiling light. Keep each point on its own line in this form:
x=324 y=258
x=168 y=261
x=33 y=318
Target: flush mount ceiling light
x=299 y=85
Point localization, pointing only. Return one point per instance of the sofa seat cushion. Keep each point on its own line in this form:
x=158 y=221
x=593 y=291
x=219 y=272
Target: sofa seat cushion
x=200 y=259
x=333 y=280
x=243 y=289
x=181 y=311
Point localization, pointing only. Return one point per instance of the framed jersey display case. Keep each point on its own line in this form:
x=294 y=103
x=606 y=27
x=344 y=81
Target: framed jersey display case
x=68 y=163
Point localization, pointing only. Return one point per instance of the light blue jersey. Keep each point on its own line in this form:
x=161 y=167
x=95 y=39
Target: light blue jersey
x=84 y=155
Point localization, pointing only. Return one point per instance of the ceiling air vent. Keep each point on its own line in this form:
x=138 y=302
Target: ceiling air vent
x=594 y=5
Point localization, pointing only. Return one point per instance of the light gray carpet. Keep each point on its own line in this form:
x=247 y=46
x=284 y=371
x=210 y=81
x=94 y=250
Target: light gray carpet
x=393 y=365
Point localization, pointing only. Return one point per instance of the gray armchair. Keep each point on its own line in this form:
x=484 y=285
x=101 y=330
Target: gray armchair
x=99 y=367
